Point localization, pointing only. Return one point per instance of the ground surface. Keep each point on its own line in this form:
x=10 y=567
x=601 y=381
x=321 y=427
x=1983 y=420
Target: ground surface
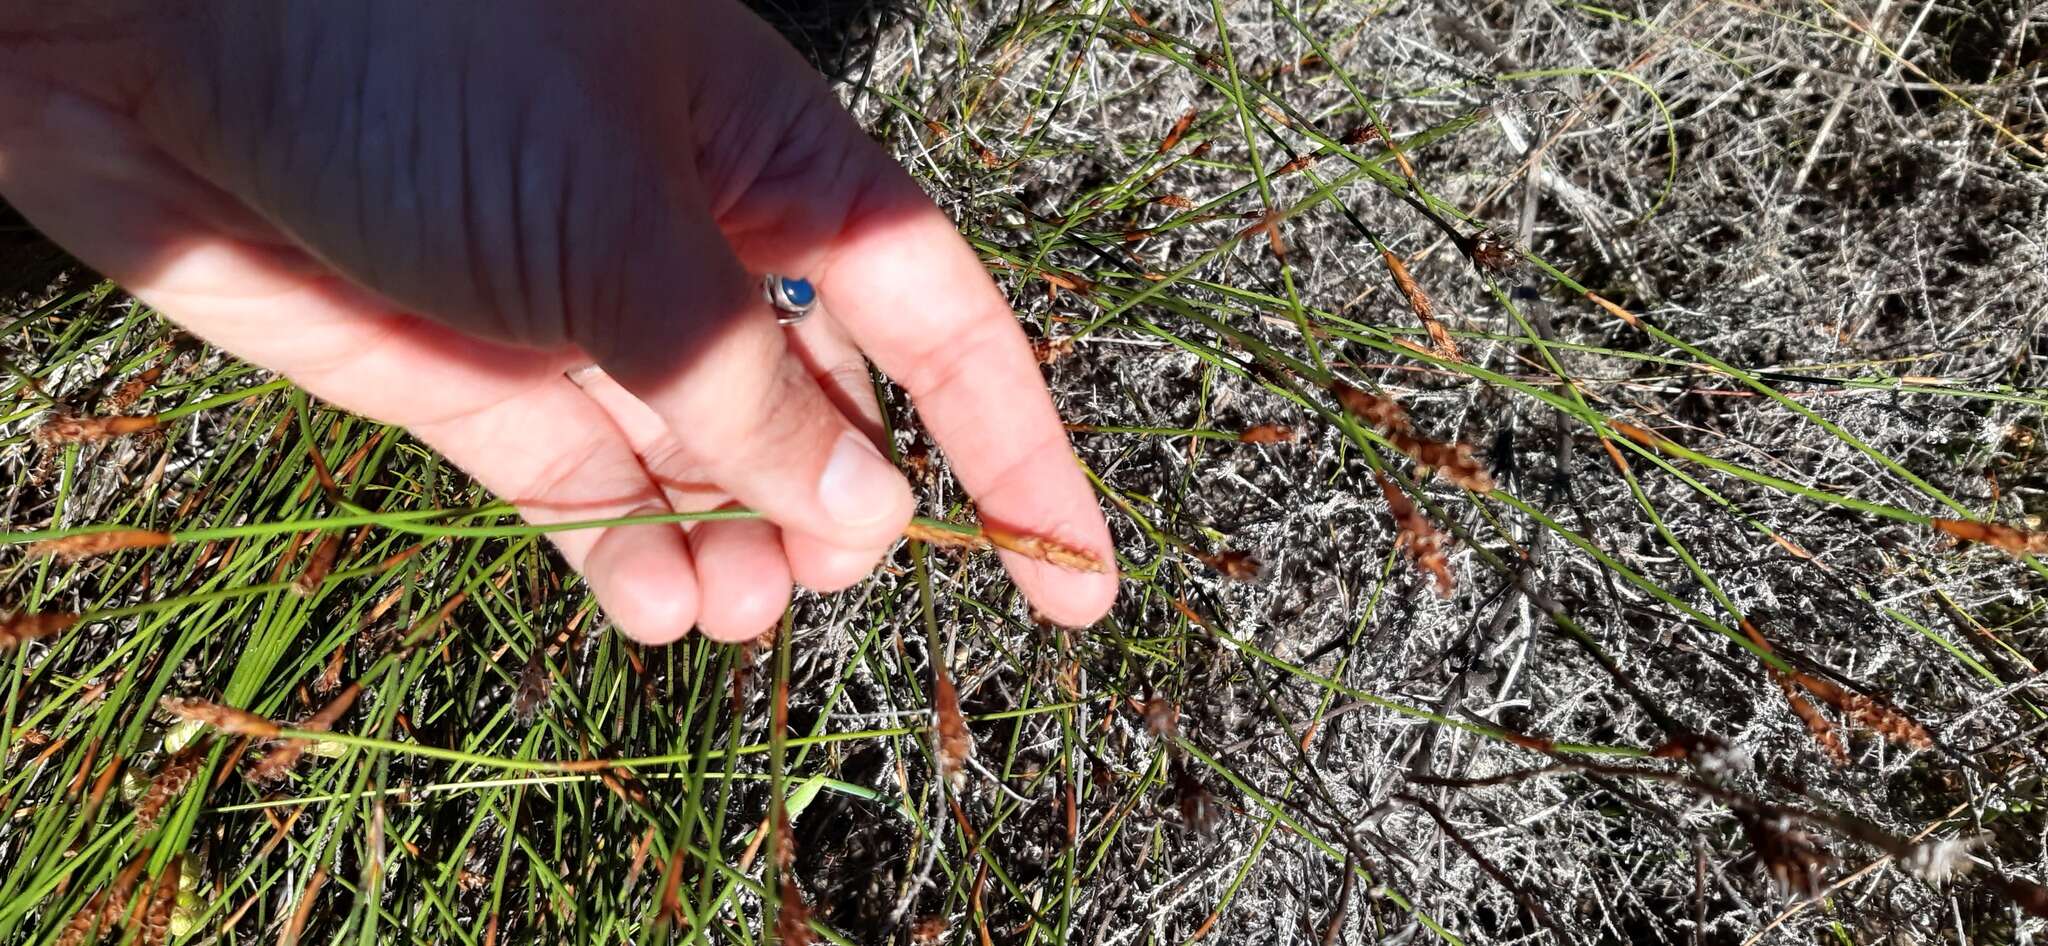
x=1821 y=235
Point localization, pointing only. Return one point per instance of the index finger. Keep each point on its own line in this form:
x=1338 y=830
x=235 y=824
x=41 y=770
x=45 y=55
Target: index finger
x=916 y=299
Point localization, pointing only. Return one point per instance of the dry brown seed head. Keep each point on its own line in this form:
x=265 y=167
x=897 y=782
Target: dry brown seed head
x=16 y=629
x=1236 y=566
x=1493 y=254
x=2002 y=537
x=318 y=566
x=1360 y=134
x=1162 y=717
x=237 y=722
x=792 y=917
x=946 y=538
x=68 y=428
x=1180 y=128
x=1792 y=857
x=954 y=745
x=929 y=931
x=1198 y=808
x=1267 y=433
x=1383 y=414
x=86 y=545
x=1045 y=549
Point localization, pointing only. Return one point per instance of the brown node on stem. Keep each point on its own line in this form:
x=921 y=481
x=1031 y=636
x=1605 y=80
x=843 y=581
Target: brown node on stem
x=17 y=629
x=950 y=730
x=227 y=719
x=1417 y=535
x=69 y=428
x=1234 y=565
x=1179 y=130
x=84 y=545
x=2003 y=537
x=1360 y=134
x=1175 y=201
x=1267 y=433
x=1424 y=308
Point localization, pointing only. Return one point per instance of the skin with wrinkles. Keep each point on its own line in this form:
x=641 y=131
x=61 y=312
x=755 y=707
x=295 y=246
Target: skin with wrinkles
x=428 y=218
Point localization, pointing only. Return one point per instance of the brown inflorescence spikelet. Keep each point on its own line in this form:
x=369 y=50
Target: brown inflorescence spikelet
x=1886 y=721
x=929 y=931
x=1383 y=414
x=1647 y=438
x=1267 y=433
x=1179 y=129
x=66 y=428
x=1236 y=566
x=1360 y=134
x=1425 y=310
x=1198 y=809
x=946 y=538
x=103 y=910
x=792 y=917
x=1490 y=253
x=131 y=390
x=1302 y=163
x=1175 y=201
x=1817 y=724
x=227 y=719
x=318 y=566
x=160 y=902
x=1454 y=460
x=165 y=786
x=1791 y=856
x=1045 y=550
x=1419 y=536
x=281 y=759
x=2003 y=537
x=1050 y=350
x=1162 y=718
x=72 y=548
x=950 y=730
x=17 y=629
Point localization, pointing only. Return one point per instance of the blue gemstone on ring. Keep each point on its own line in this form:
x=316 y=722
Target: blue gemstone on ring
x=798 y=292
x=792 y=297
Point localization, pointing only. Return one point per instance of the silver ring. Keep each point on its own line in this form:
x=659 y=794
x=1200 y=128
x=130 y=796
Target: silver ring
x=793 y=299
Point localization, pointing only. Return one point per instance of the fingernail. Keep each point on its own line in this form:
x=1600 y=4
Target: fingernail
x=858 y=487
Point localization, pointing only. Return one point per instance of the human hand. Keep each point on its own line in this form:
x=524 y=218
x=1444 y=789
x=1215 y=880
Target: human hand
x=434 y=214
